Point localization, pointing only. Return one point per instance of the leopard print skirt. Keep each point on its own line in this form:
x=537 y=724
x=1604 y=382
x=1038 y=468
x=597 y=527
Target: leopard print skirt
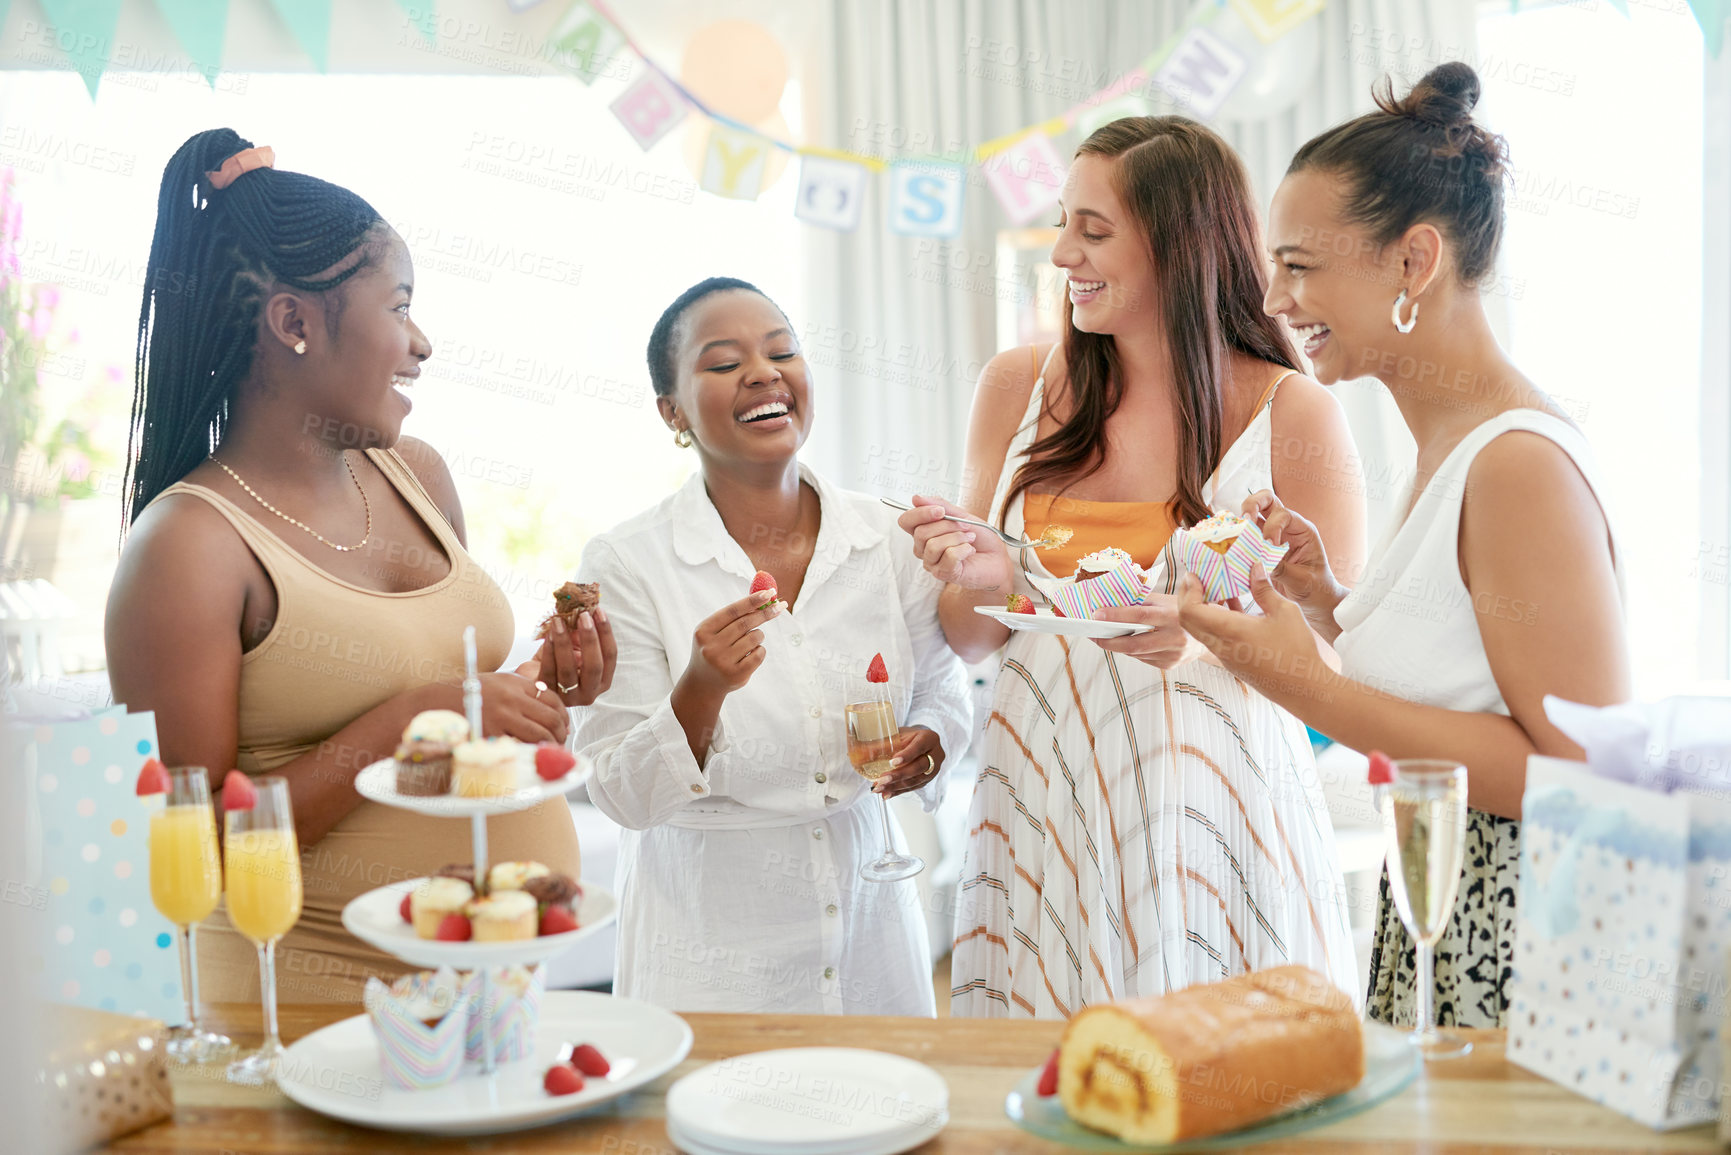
x=1475 y=956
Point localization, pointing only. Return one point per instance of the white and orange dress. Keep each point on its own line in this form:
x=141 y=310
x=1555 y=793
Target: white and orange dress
x=1133 y=830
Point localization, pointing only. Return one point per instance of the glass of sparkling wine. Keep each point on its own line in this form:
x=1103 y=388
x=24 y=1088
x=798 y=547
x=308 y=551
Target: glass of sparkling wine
x=871 y=736
x=1424 y=814
x=185 y=882
x=264 y=902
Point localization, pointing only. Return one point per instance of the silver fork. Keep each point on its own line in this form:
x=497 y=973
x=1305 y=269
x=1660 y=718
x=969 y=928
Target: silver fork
x=1011 y=542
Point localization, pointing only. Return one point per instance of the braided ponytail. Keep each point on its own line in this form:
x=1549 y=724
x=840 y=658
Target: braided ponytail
x=215 y=256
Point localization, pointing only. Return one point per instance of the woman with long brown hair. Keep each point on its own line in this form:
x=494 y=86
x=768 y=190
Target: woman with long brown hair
x=1139 y=826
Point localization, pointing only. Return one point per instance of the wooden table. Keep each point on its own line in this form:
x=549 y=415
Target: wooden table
x=1482 y=1104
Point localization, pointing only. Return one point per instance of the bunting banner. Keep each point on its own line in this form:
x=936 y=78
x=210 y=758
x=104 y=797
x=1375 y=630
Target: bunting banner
x=733 y=163
x=309 y=22
x=650 y=109
x=423 y=17
x=85 y=30
x=831 y=192
x=583 y=43
x=199 y=25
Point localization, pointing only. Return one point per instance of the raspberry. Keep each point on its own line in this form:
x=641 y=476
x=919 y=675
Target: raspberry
x=556 y=919
x=152 y=778
x=553 y=762
x=562 y=1080
x=590 y=1061
x=1019 y=604
x=454 y=928
x=877 y=672
x=1049 y=1077
x=237 y=792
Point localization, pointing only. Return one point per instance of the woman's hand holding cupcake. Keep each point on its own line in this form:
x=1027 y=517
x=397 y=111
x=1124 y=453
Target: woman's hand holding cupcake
x=1303 y=575
x=577 y=665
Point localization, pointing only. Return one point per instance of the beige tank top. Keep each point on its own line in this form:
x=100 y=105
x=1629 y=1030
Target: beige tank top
x=336 y=651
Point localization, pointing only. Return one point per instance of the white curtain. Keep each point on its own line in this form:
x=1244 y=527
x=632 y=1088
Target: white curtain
x=897 y=327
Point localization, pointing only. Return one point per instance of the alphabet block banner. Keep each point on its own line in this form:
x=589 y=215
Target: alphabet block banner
x=1026 y=178
x=926 y=199
x=583 y=42
x=649 y=109
x=105 y=946
x=831 y=193
x=1272 y=19
x=1201 y=73
x=733 y=163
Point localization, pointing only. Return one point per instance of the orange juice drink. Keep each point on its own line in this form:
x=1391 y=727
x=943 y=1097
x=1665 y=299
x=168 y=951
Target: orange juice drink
x=264 y=883
x=185 y=878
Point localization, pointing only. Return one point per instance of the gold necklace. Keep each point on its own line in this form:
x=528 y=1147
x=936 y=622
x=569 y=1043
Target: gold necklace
x=366 y=505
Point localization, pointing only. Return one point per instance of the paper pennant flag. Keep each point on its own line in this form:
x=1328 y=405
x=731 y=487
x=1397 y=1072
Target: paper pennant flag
x=86 y=29
x=831 y=193
x=1711 y=15
x=1201 y=72
x=1272 y=19
x=1090 y=119
x=584 y=42
x=926 y=199
x=199 y=25
x=522 y=5
x=733 y=163
x=309 y=22
x=1026 y=177
x=422 y=16
x=649 y=109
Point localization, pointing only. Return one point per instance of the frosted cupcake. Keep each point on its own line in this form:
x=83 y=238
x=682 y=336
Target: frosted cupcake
x=487 y=768
x=506 y=916
x=424 y=757
x=1220 y=531
x=514 y=875
x=435 y=898
x=1106 y=577
x=422 y=1024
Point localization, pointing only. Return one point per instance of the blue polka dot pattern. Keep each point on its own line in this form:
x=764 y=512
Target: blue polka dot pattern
x=96 y=906
x=163 y=940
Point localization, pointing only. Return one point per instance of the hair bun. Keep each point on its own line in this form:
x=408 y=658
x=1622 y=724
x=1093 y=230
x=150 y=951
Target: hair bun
x=1445 y=96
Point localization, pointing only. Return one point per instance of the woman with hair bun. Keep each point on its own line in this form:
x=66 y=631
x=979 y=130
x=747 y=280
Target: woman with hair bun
x=294 y=585
x=1499 y=583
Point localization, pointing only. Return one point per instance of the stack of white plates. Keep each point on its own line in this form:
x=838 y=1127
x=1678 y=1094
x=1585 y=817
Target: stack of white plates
x=808 y=1101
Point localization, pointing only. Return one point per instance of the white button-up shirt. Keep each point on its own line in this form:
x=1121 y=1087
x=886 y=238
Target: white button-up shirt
x=739 y=885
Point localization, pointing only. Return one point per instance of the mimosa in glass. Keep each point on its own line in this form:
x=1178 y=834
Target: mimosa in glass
x=263 y=862
x=185 y=882
x=1424 y=815
x=871 y=738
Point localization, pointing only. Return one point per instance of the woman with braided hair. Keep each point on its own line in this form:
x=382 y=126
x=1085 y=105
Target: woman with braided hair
x=293 y=585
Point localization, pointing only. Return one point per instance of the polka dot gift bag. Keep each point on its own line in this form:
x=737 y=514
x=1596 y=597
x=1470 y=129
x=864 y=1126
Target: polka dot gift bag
x=1623 y=923
x=86 y=868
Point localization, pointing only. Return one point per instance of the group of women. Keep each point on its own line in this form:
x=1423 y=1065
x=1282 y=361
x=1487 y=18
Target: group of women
x=1146 y=813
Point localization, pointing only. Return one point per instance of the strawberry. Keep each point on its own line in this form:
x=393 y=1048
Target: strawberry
x=454 y=928
x=1381 y=768
x=877 y=672
x=561 y=1079
x=1048 y=1084
x=237 y=792
x=590 y=1061
x=1019 y=604
x=404 y=910
x=553 y=762
x=152 y=778
x=556 y=919
x=762 y=581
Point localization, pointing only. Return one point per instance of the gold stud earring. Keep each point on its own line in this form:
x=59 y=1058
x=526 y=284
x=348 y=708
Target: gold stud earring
x=683 y=438
x=300 y=346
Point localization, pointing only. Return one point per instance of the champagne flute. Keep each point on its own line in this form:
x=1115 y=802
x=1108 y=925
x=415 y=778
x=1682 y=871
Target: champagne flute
x=871 y=738
x=1424 y=814
x=185 y=882
x=264 y=902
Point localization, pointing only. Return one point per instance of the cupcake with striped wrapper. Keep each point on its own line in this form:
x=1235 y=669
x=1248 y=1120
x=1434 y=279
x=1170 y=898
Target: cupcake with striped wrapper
x=1106 y=577
x=421 y=1022
x=514 y=995
x=1220 y=550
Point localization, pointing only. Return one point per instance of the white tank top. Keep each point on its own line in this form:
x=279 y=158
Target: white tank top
x=1410 y=628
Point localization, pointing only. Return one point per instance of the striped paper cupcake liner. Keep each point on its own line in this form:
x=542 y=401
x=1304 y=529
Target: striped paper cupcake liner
x=515 y=998
x=1226 y=575
x=412 y=1055
x=1120 y=586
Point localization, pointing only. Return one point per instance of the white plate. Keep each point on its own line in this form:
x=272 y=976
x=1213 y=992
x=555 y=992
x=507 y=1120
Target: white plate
x=809 y=1100
x=379 y=783
x=1044 y=621
x=335 y=1071
x=892 y=1146
x=376 y=919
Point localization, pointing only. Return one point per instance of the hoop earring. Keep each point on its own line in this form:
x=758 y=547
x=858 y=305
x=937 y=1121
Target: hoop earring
x=683 y=438
x=1395 y=316
x=300 y=347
